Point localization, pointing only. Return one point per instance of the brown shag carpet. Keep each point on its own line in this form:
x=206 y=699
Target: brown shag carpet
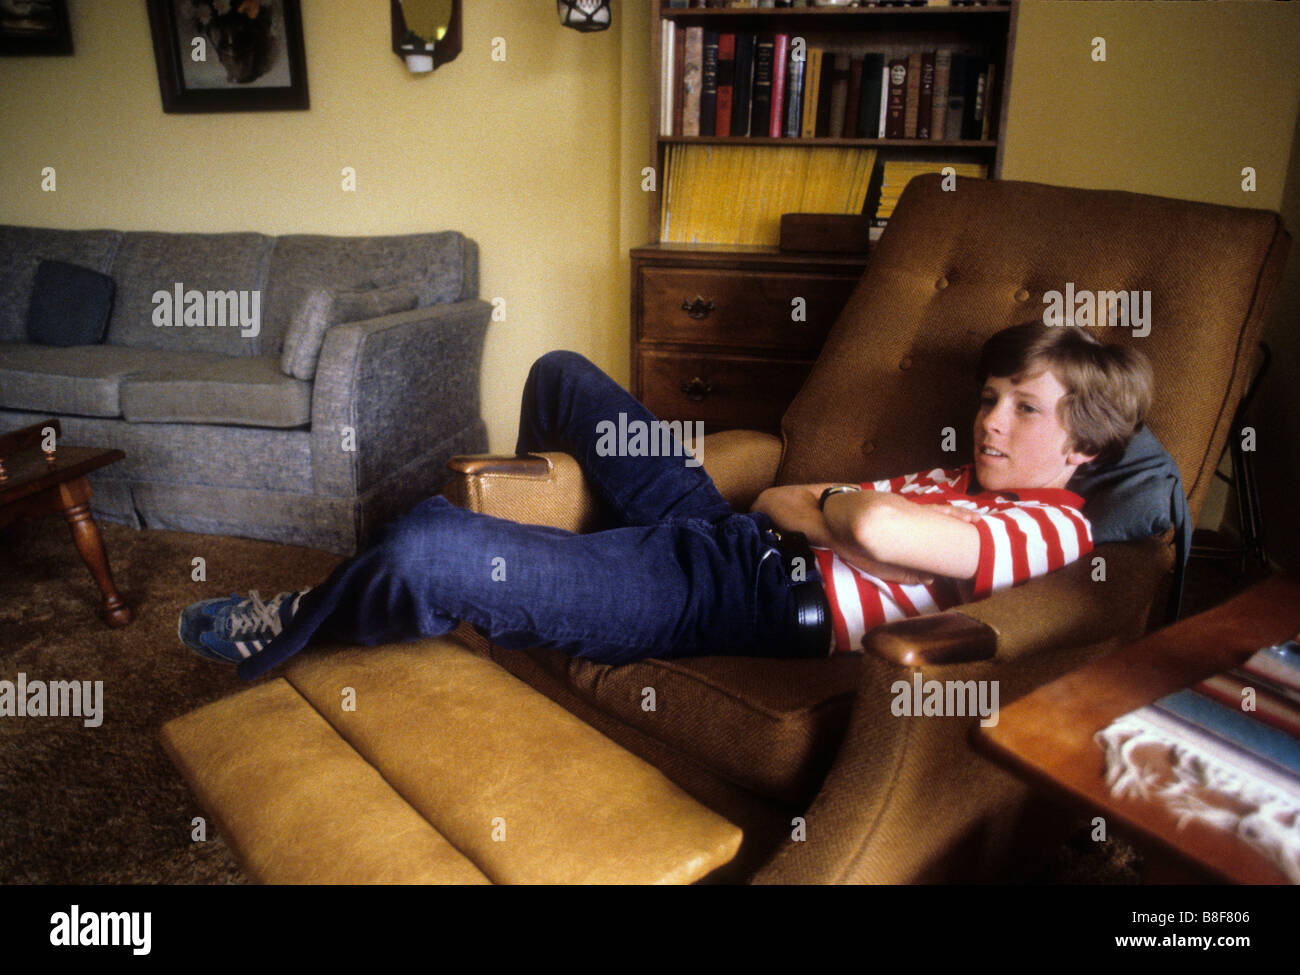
x=83 y=805
x=93 y=805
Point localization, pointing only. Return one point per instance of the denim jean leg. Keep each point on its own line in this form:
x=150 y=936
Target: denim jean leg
x=565 y=398
x=680 y=588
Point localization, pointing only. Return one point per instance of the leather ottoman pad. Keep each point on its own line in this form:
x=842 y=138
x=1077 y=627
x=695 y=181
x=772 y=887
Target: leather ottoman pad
x=296 y=803
x=771 y=726
x=526 y=790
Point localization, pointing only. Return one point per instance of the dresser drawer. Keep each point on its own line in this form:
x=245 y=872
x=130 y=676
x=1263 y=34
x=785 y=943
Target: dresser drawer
x=750 y=309
x=723 y=391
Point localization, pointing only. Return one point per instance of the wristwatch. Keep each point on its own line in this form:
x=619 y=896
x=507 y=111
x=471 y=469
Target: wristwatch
x=835 y=489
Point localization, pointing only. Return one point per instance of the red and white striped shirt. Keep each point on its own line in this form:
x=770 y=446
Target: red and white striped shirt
x=1022 y=534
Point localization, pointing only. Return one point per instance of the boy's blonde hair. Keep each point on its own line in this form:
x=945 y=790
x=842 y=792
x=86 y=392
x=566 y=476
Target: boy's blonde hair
x=1108 y=388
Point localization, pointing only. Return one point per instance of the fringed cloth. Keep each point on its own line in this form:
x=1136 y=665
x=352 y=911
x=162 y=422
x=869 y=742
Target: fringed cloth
x=1225 y=752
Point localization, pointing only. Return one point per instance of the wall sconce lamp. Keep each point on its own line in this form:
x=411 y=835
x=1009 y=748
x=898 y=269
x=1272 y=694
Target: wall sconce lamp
x=426 y=33
x=583 y=15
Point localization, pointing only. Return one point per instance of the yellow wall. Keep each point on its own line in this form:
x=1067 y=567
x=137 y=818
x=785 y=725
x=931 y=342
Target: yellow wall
x=516 y=153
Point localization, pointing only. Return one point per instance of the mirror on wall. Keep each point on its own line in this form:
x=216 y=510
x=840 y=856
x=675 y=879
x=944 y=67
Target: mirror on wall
x=426 y=33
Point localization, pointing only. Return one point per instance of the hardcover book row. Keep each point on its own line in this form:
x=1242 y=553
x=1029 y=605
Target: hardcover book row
x=720 y=83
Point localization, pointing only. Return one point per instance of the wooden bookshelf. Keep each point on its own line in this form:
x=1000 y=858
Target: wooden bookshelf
x=664 y=331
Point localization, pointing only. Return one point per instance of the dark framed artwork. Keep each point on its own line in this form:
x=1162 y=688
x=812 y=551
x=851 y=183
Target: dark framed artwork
x=34 y=27
x=229 y=55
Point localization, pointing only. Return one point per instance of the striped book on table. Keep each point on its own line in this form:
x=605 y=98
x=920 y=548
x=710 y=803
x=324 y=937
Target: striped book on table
x=1225 y=751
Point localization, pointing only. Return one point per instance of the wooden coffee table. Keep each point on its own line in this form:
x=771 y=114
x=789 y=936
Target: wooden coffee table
x=1047 y=736
x=35 y=483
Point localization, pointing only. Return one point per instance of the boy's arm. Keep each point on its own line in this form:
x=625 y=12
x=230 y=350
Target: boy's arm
x=879 y=532
x=936 y=539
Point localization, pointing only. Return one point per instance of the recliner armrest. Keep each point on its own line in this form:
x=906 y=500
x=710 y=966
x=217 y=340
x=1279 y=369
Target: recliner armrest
x=538 y=489
x=549 y=488
x=1078 y=605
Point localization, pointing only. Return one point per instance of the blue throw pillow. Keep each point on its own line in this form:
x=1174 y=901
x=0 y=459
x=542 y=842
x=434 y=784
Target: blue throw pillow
x=69 y=305
x=1139 y=495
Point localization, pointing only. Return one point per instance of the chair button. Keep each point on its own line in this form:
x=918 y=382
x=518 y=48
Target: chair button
x=941 y=283
x=869 y=446
x=905 y=362
x=1022 y=295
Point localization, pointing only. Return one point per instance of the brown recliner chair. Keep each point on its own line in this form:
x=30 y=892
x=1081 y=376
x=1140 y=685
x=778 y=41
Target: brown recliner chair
x=805 y=756
x=887 y=798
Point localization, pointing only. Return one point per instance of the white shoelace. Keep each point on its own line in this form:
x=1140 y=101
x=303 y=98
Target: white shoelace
x=257 y=614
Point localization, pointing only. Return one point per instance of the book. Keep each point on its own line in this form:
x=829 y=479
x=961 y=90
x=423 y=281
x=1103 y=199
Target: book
x=794 y=82
x=956 y=97
x=925 y=103
x=939 y=109
x=678 y=68
x=897 y=98
x=912 y=104
x=838 y=102
x=853 y=97
x=873 y=66
x=760 y=111
x=812 y=92
x=740 y=104
x=780 y=55
x=692 y=78
x=986 y=125
x=709 y=84
x=666 y=88
x=973 y=114
x=884 y=101
x=726 y=82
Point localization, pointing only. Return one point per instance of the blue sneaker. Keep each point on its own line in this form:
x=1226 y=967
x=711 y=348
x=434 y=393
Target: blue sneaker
x=233 y=629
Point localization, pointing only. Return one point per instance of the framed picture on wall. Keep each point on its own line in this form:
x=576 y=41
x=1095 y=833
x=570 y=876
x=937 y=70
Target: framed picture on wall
x=229 y=55
x=34 y=27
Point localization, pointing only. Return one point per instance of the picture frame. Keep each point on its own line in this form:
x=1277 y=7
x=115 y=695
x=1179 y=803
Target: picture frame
x=229 y=55
x=34 y=27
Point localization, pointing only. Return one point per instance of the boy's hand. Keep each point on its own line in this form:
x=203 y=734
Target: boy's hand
x=900 y=574
x=953 y=511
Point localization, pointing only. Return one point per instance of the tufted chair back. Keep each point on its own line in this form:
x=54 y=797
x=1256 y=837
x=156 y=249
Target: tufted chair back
x=955 y=266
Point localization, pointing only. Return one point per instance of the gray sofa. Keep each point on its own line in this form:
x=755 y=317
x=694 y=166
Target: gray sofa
x=311 y=427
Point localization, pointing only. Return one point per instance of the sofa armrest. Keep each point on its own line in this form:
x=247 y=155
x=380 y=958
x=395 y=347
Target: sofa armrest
x=1073 y=606
x=389 y=389
x=537 y=489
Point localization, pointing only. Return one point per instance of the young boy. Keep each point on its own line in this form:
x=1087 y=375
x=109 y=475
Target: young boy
x=685 y=575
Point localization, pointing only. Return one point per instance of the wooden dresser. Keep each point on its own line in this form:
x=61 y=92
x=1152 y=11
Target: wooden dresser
x=728 y=334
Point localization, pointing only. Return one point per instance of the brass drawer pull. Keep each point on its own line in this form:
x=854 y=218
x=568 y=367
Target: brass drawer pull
x=696 y=389
x=699 y=308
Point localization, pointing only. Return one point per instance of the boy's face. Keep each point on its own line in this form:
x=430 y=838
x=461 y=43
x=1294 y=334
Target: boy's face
x=1019 y=439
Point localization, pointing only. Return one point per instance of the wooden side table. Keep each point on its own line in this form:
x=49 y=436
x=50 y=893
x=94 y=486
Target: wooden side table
x=35 y=483
x=1047 y=736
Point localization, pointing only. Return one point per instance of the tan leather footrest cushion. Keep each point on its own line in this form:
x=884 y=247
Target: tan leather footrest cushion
x=530 y=793
x=297 y=803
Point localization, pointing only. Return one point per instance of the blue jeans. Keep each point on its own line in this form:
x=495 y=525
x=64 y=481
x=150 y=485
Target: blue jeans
x=684 y=575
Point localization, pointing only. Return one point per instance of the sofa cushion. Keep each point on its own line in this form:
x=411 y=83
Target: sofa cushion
x=771 y=726
x=224 y=269
x=70 y=305
x=441 y=267
x=21 y=251
x=248 y=392
x=321 y=309
x=82 y=380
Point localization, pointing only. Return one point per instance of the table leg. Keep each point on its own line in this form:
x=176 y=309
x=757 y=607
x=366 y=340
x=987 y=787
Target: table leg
x=75 y=496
